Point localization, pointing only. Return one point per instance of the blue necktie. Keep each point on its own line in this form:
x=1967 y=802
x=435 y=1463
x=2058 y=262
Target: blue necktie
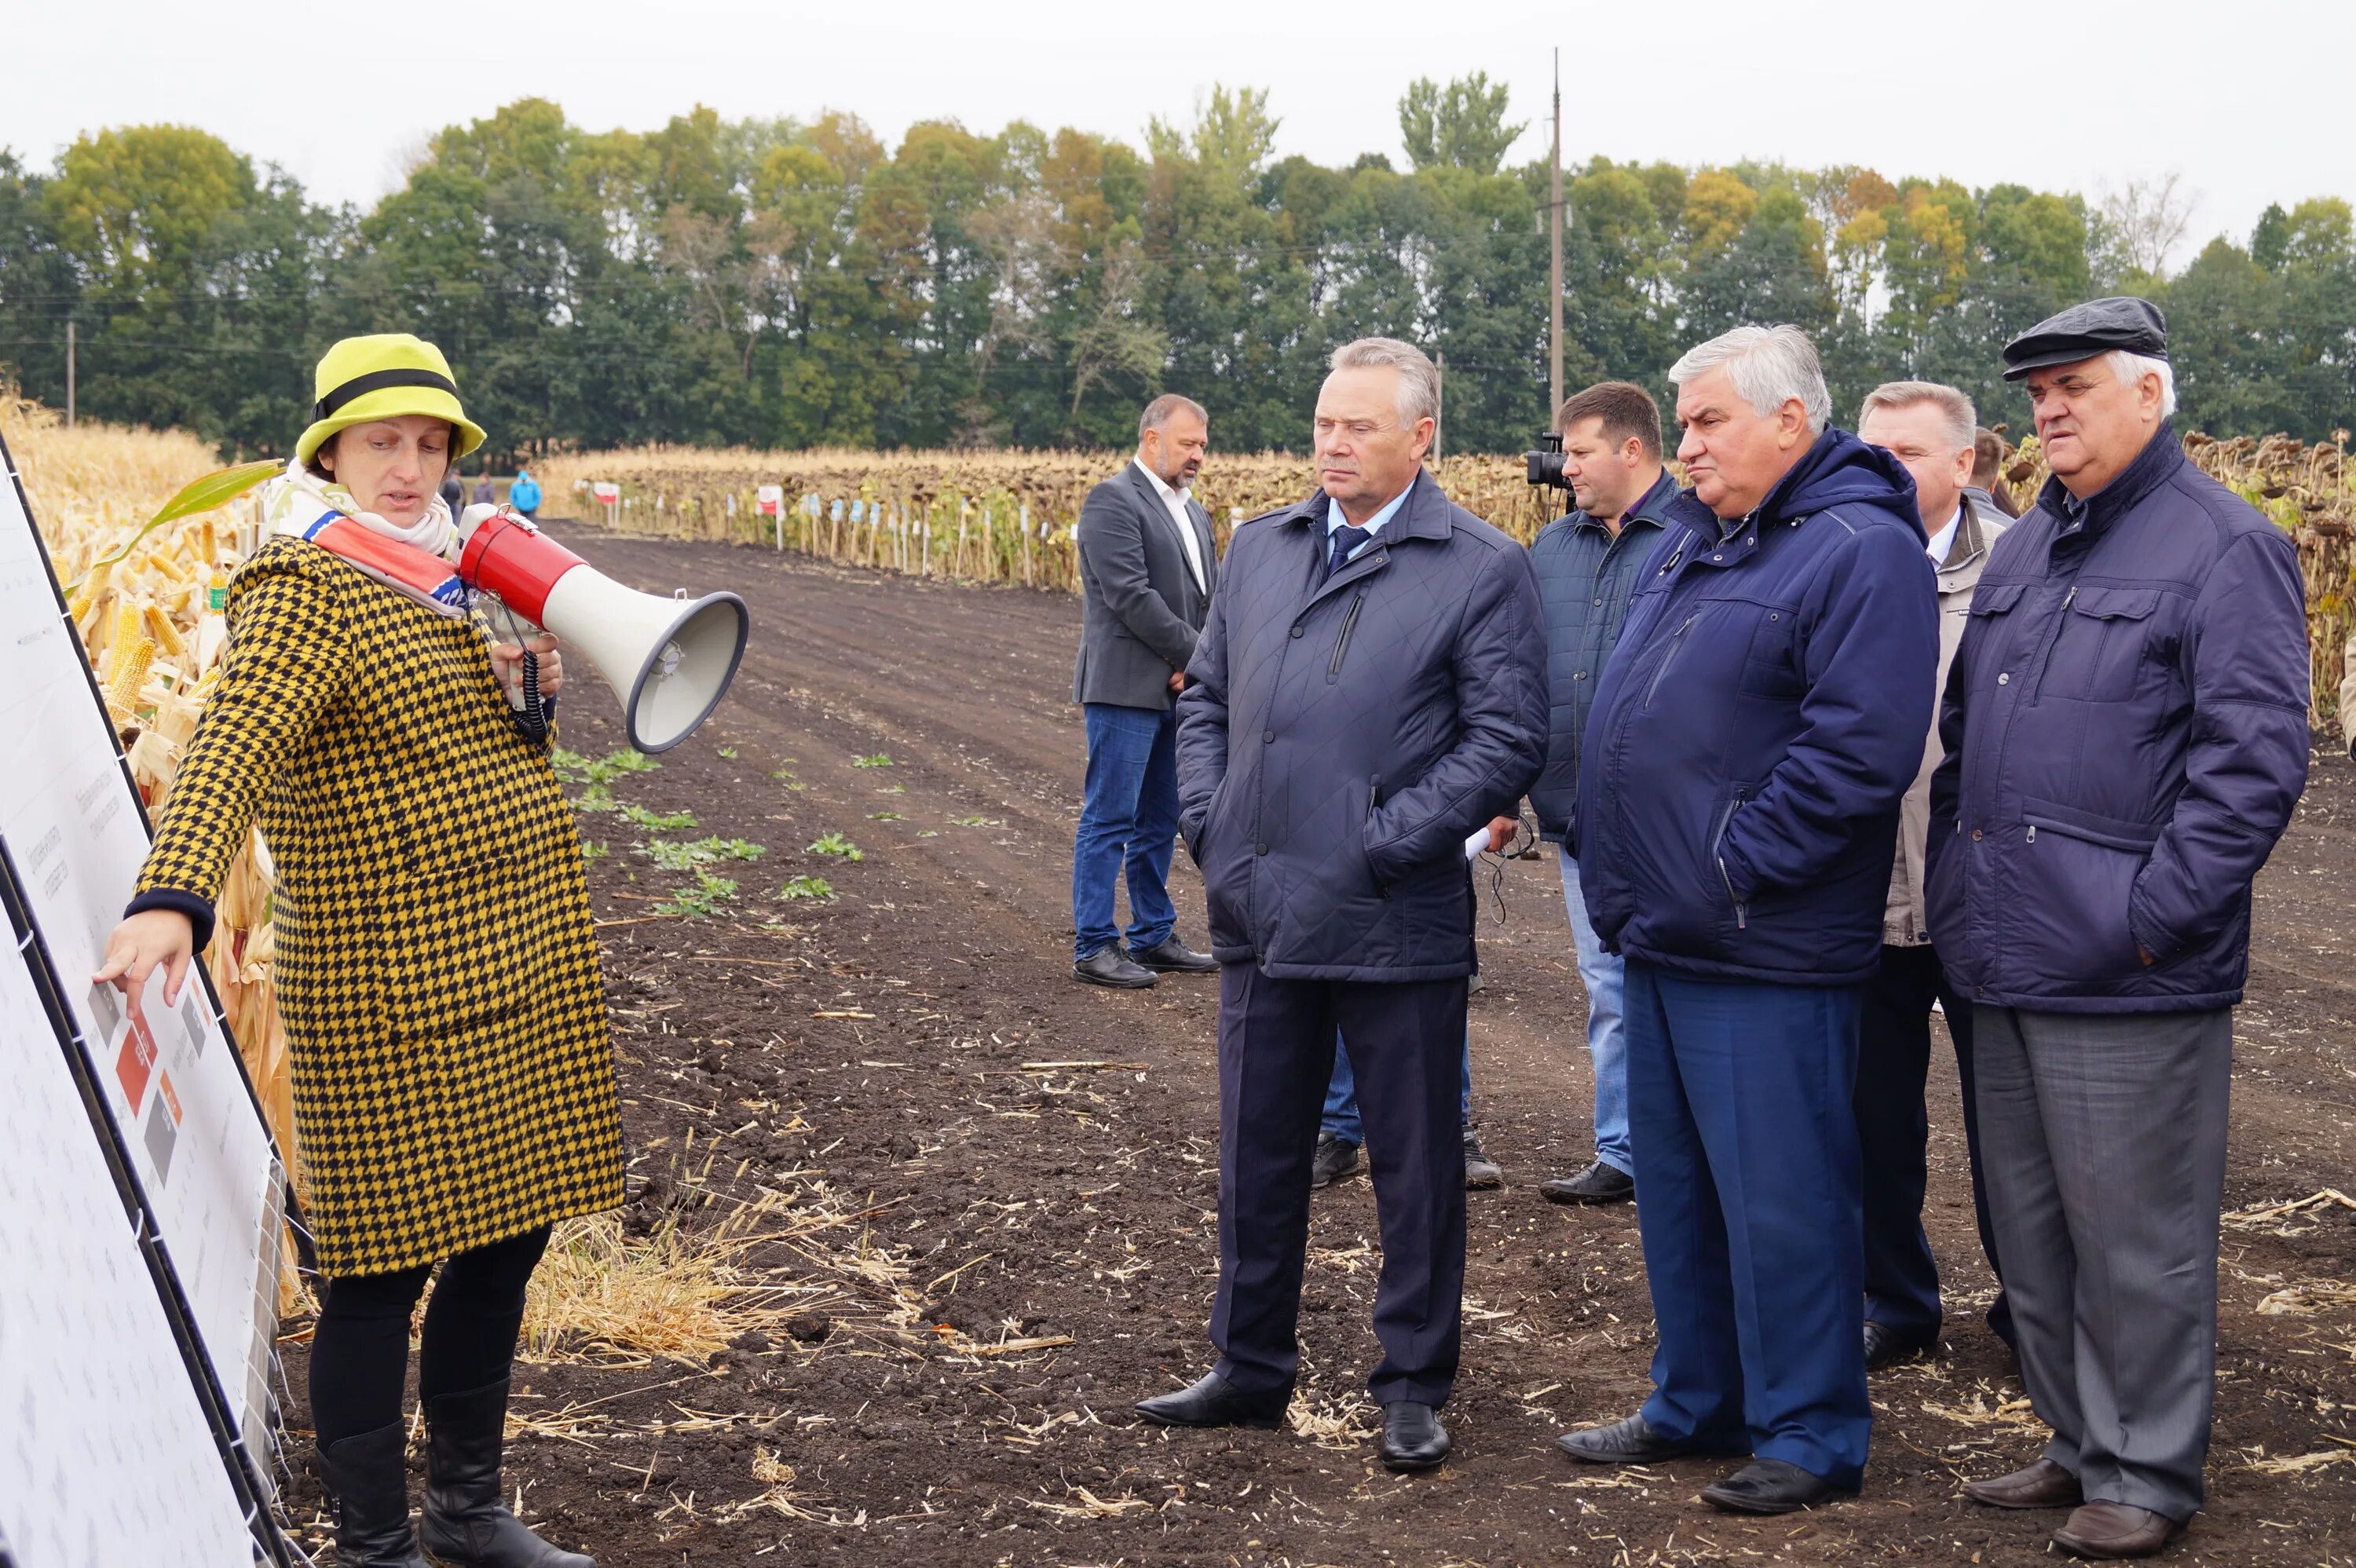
x=1345 y=542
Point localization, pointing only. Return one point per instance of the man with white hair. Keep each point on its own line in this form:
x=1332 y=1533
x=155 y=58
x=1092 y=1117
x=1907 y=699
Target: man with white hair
x=1753 y=735
x=1932 y=429
x=2126 y=735
x=1369 y=690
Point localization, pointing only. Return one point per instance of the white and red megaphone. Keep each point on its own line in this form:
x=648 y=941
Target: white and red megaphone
x=669 y=660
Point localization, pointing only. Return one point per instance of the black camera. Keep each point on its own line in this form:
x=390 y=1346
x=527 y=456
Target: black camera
x=1546 y=462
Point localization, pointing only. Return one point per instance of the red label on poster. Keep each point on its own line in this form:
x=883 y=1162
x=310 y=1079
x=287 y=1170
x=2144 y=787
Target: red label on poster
x=137 y=1059
x=171 y=1101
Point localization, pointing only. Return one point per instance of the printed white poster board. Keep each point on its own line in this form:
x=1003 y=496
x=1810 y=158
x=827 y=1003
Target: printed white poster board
x=105 y=1448
x=197 y=1148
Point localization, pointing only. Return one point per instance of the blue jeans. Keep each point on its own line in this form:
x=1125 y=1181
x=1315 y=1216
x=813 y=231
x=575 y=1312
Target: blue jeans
x=1341 y=1117
x=1751 y=1210
x=1606 y=979
x=1129 y=821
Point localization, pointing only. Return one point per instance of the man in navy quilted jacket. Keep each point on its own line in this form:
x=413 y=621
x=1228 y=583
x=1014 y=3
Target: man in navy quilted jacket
x=2126 y=734
x=1739 y=787
x=1369 y=693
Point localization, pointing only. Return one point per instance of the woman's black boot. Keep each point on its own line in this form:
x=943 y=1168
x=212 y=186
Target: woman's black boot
x=466 y=1522
x=368 y=1477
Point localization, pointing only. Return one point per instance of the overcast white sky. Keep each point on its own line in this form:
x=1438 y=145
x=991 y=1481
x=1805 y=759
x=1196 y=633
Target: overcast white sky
x=2248 y=99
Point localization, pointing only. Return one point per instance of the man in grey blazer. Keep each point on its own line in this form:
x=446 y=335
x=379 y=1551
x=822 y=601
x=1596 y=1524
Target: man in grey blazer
x=1147 y=569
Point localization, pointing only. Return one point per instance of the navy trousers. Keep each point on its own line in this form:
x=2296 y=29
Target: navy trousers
x=1276 y=1053
x=1893 y=1135
x=1747 y=1176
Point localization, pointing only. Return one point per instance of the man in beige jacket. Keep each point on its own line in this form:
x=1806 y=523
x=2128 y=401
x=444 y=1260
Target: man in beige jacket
x=1929 y=428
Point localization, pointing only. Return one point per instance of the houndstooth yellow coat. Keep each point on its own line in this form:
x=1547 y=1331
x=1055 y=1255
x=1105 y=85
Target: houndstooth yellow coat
x=454 y=1080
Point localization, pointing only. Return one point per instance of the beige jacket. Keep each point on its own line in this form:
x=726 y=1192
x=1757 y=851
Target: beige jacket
x=1903 y=924
x=2348 y=693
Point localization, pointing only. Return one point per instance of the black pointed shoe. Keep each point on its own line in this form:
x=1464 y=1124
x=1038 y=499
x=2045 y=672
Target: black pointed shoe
x=1886 y=1347
x=1215 y=1401
x=467 y=1524
x=367 y=1477
x=1413 y=1438
x=1171 y=957
x=1630 y=1441
x=1599 y=1183
x=1111 y=966
x=1772 y=1486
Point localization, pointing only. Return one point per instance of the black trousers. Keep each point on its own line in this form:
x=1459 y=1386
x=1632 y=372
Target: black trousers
x=359 y=1352
x=1276 y=1054
x=1894 y=1132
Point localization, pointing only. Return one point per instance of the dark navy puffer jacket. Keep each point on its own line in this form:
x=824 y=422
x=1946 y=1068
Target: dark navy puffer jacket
x=1337 y=742
x=1758 y=726
x=2125 y=726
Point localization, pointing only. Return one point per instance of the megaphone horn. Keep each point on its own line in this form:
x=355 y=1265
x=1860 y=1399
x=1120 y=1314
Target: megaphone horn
x=669 y=660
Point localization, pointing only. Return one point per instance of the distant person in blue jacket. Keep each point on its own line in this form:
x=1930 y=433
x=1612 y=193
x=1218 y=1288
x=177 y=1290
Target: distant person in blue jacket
x=524 y=494
x=2126 y=734
x=1738 y=789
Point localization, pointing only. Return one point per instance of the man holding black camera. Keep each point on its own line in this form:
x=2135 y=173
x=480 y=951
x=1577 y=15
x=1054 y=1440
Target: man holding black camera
x=1588 y=562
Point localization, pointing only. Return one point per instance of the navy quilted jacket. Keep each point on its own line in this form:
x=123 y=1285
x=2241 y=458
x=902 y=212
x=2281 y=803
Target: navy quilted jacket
x=1759 y=724
x=2125 y=726
x=1337 y=742
x=1586 y=574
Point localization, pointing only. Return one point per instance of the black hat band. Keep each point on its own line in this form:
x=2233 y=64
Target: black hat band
x=376 y=381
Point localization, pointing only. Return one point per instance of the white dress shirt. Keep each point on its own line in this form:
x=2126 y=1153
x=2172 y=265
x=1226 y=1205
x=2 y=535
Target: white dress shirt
x=1175 y=502
x=1944 y=539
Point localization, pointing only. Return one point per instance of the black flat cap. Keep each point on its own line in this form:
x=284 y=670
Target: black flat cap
x=2085 y=330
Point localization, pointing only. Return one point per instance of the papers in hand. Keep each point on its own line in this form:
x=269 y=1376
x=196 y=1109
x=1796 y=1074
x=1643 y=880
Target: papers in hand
x=1476 y=843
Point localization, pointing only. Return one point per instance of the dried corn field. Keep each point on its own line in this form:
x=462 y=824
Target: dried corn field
x=1008 y=516
x=148 y=608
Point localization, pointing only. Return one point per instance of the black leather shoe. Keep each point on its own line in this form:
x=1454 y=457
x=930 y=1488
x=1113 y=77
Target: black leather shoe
x=467 y=1523
x=1336 y=1160
x=1171 y=957
x=1771 y=1486
x=1886 y=1347
x=1599 y=1183
x=1413 y=1438
x=1481 y=1173
x=1632 y=1441
x=1215 y=1401
x=368 y=1475
x=1111 y=966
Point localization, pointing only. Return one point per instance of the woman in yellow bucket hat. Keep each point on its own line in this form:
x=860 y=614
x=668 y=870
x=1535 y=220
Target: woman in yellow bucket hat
x=436 y=969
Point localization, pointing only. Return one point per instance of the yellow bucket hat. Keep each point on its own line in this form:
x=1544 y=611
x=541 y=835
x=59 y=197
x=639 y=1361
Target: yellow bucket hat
x=381 y=378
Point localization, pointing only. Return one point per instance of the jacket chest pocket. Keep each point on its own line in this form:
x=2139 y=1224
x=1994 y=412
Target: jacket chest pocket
x=2104 y=643
x=1991 y=628
x=1772 y=668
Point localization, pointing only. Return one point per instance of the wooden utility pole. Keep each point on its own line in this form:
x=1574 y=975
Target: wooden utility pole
x=1554 y=295
x=70 y=373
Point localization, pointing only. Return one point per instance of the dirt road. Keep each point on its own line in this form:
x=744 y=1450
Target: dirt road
x=888 y=1061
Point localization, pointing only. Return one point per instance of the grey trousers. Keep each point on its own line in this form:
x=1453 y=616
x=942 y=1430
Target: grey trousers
x=2104 y=1138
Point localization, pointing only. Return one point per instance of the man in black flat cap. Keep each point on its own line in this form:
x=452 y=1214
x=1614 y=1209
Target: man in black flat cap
x=2126 y=736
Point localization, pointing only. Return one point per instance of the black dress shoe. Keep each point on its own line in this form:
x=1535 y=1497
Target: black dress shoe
x=1111 y=966
x=1171 y=957
x=1886 y=1347
x=1481 y=1173
x=1336 y=1159
x=1599 y=1183
x=1215 y=1401
x=1771 y=1486
x=1632 y=1441
x=1413 y=1438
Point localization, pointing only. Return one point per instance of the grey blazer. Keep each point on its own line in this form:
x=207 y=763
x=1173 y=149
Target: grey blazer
x=1140 y=609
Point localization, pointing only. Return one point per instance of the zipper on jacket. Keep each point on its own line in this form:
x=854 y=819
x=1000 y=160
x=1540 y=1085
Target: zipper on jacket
x=1374 y=799
x=1677 y=641
x=2052 y=641
x=1348 y=622
x=1716 y=844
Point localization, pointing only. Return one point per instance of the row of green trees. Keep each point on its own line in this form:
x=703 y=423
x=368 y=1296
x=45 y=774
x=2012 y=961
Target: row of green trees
x=781 y=283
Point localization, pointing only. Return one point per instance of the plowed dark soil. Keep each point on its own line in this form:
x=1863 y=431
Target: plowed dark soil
x=878 y=1055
